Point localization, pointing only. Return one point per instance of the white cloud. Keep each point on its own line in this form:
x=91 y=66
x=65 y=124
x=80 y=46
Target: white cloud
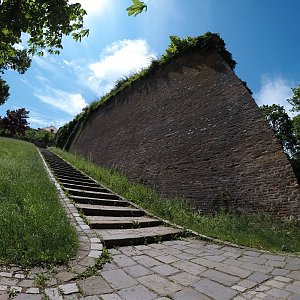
x=274 y=91
x=67 y=102
x=92 y=7
x=118 y=59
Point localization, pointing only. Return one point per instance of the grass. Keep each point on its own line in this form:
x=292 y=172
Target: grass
x=34 y=228
x=259 y=231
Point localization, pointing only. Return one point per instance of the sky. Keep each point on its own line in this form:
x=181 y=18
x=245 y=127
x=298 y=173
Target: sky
x=262 y=35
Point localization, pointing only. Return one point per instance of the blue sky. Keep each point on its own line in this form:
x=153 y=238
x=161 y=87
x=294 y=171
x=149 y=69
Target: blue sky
x=262 y=35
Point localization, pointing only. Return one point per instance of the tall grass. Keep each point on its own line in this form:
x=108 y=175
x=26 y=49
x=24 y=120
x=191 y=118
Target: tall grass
x=34 y=228
x=259 y=231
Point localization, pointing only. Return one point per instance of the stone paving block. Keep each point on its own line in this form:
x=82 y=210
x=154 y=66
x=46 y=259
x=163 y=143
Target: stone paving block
x=239 y=288
x=160 y=285
x=189 y=294
x=65 y=276
x=273 y=257
x=293 y=288
x=191 y=250
x=262 y=288
x=95 y=254
x=68 y=288
x=137 y=271
x=257 y=268
x=167 y=259
x=110 y=266
x=28 y=297
x=8 y=281
x=184 y=278
x=171 y=251
x=181 y=247
x=292 y=266
x=4 y=296
x=146 y=261
x=97 y=247
x=33 y=290
x=53 y=294
x=165 y=270
x=294 y=275
x=232 y=262
x=142 y=247
x=6 y=274
x=205 y=262
x=71 y=297
x=95 y=285
x=221 y=277
x=130 y=251
x=214 y=290
x=123 y=260
x=153 y=252
x=89 y=298
x=188 y=267
x=231 y=255
x=278 y=293
x=251 y=259
x=294 y=297
x=242 y=273
x=280 y=272
x=259 y=277
x=215 y=258
x=114 y=251
x=276 y=263
x=158 y=246
x=110 y=297
x=185 y=256
x=138 y=292
x=251 y=253
x=282 y=279
x=248 y=283
x=3 y=287
x=119 y=279
x=275 y=283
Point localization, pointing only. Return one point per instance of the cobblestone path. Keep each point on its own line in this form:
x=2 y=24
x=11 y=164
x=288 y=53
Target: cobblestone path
x=183 y=269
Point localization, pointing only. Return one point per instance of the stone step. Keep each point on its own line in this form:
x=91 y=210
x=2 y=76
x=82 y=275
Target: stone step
x=70 y=181
x=91 y=194
x=113 y=211
x=137 y=236
x=81 y=178
x=96 y=201
x=85 y=187
x=102 y=222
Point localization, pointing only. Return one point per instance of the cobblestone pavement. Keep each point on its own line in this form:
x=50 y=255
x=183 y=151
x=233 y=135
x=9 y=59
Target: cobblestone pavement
x=183 y=269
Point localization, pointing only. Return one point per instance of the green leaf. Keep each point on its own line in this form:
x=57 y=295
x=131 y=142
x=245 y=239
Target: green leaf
x=136 y=8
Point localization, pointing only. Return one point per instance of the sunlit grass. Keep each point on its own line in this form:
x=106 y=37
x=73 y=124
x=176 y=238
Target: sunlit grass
x=34 y=228
x=259 y=231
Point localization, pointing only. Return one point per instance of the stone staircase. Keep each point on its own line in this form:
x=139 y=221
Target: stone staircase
x=117 y=221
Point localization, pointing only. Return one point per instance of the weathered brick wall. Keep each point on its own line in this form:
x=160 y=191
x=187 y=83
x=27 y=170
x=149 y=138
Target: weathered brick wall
x=193 y=130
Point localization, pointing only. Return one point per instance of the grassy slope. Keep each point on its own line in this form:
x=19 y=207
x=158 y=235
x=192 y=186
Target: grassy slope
x=34 y=228
x=256 y=231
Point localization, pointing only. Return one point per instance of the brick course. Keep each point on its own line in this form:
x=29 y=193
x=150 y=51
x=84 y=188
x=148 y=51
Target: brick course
x=192 y=129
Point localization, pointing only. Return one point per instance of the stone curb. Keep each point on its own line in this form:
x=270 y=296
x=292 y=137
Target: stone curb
x=89 y=244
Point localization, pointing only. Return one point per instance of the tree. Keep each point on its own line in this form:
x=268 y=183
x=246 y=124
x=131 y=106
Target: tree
x=295 y=100
x=283 y=127
x=15 y=121
x=45 y=22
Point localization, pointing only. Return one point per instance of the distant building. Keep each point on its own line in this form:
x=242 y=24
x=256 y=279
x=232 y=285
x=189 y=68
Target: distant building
x=51 y=128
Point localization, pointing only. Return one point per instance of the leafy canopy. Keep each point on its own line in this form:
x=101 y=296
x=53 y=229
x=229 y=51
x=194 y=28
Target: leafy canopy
x=40 y=24
x=15 y=121
x=295 y=100
x=283 y=127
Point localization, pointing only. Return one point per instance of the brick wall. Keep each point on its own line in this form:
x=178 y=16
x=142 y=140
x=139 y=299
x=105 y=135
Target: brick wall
x=193 y=130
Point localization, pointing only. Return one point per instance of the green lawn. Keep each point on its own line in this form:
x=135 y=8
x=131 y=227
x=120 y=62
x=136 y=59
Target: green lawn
x=259 y=231
x=34 y=228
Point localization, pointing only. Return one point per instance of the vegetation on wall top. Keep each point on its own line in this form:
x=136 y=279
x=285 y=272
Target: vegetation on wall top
x=178 y=46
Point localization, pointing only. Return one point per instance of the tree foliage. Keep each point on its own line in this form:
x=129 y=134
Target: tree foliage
x=295 y=100
x=42 y=23
x=15 y=122
x=283 y=127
